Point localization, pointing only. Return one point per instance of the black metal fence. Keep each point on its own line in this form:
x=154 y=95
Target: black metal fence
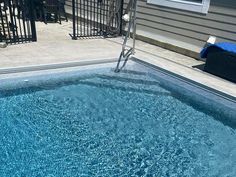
x=97 y=18
x=17 y=23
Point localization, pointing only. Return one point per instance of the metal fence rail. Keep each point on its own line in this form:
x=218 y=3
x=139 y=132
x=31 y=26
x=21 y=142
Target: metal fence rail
x=17 y=24
x=96 y=18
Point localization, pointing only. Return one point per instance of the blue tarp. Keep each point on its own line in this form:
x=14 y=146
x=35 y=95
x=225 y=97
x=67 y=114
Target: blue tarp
x=226 y=46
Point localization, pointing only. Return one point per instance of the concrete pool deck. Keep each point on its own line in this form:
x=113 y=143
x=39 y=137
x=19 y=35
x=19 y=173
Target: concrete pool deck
x=55 y=46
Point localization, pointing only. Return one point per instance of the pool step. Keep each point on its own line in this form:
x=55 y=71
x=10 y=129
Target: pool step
x=132 y=72
x=128 y=83
x=132 y=75
x=128 y=80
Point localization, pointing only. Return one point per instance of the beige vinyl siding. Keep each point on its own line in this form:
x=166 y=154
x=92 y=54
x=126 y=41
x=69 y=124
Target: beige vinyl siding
x=188 y=26
x=185 y=26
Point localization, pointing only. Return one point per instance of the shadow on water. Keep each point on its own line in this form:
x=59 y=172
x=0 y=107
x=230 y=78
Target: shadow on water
x=218 y=115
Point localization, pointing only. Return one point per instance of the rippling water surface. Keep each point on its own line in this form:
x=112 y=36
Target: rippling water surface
x=103 y=125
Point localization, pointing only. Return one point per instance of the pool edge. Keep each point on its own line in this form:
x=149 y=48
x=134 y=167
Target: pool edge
x=184 y=79
x=21 y=69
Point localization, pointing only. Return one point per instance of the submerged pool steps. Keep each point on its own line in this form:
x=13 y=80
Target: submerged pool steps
x=134 y=83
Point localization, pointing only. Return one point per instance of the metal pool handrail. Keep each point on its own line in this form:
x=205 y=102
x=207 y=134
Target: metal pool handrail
x=126 y=50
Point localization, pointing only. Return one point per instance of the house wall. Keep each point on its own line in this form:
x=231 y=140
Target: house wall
x=183 y=28
x=189 y=27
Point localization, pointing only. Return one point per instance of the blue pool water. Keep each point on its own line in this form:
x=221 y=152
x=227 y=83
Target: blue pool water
x=109 y=124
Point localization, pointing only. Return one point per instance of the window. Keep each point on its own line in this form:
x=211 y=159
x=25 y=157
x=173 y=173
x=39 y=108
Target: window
x=200 y=6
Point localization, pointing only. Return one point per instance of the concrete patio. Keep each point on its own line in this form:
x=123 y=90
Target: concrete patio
x=55 y=46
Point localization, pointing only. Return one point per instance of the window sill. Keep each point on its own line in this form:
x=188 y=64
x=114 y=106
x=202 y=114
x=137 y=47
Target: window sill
x=183 y=5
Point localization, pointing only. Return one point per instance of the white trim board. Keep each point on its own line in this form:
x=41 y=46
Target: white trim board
x=184 y=5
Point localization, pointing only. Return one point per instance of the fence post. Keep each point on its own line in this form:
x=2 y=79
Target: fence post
x=74 y=36
x=121 y=15
x=11 y=22
x=32 y=20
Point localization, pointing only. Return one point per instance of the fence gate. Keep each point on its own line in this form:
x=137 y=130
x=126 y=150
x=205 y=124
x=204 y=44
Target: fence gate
x=96 y=18
x=17 y=24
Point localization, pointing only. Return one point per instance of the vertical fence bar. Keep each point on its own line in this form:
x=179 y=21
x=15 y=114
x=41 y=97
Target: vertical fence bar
x=87 y=17
x=104 y=17
x=7 y=25
x=32 y=20
x=84 y=18
x=2 y=36
x=80 y=18
x=77 y=17
x=11 y=23
x=24 y=19
x=102 y=9
x=14 y=21
x=90 y=16
x=74 y=37
x=28 y=27
x=114 y=20
x=18 y=21
x=121 y=15
x=94 y=18
x=107 y=20
x=100 y=21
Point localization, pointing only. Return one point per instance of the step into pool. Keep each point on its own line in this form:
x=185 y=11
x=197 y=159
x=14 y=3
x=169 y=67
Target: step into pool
x=94 y=122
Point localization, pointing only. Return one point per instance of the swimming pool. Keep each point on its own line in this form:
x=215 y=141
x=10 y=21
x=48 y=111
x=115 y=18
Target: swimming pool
x=90 y=121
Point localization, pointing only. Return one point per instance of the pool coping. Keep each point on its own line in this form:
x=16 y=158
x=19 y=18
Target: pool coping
x=52 y=66
x=186 y=80
x=32 y=68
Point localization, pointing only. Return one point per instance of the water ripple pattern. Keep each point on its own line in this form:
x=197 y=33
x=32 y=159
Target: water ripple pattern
x=122 y=125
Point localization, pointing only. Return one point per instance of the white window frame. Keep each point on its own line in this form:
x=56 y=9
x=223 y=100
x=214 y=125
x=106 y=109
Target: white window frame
x=184 y=5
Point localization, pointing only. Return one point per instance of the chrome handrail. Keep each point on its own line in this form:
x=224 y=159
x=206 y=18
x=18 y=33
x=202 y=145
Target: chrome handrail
x=127 y=51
